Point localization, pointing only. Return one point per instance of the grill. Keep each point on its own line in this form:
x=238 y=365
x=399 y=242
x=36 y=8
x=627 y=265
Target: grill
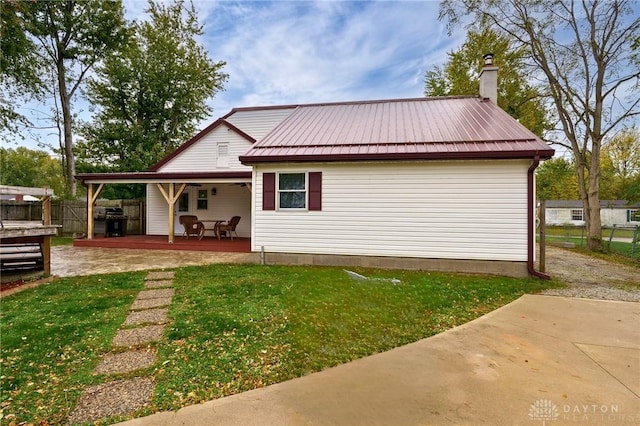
x=110 y=221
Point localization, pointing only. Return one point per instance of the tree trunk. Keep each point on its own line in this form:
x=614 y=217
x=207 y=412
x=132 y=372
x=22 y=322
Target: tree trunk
x=593 y=222
x=65 y=101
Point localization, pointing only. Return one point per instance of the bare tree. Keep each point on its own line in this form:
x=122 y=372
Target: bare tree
x=587 y=53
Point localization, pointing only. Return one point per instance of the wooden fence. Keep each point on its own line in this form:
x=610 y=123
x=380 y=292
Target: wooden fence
x=72 y=215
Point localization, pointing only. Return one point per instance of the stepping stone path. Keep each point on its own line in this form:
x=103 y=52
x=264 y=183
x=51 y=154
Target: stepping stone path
x=145 y=324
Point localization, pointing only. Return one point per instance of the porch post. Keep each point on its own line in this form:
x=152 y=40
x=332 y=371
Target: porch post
x=172 y=209
x=91 y=200
x=171 y=199
x=46 y=240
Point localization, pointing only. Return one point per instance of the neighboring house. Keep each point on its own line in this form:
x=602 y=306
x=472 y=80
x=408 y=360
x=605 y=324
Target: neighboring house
x=441 y=183
x=612 y=212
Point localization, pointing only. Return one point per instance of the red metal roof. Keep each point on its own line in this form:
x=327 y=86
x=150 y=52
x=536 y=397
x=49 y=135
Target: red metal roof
x=421 y=128
x=159 y=176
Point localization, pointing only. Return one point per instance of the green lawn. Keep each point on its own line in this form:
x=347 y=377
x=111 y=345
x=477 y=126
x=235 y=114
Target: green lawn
x=577 y=231
x=61 y=241
x=615 y=251
x=233 y=328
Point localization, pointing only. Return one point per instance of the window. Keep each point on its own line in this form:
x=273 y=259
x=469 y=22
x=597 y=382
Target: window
x=577 y=214
x=223 y=155
x=203 y=201
x=183 y=202
x=633 y=215
x=292 y=190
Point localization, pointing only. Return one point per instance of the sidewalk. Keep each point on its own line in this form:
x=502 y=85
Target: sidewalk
x=544 y=358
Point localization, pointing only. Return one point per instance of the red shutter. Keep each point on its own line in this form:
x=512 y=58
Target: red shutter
x=268 y=191
x=315 y=190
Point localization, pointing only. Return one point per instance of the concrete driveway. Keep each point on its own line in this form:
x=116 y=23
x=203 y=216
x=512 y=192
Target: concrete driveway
x=539 y=360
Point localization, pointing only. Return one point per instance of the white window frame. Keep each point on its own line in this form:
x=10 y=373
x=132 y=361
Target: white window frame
x=575 y=213
x=205 y=199
x=222 y=154
x=305 y=190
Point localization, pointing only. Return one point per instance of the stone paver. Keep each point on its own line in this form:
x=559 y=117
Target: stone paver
x=158 y=283
x=125 y=362
x=156 y=293
x=148 y=316
x=160 y=275
x=127 y=396
x=159 y=302
x=69 y=261
x=138 y=336
x=112 y=399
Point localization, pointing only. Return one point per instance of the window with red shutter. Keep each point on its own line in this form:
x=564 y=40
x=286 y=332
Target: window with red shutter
x=268 y=191
x=315 y=190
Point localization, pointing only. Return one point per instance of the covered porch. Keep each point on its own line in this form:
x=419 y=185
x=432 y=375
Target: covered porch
x=212 y=197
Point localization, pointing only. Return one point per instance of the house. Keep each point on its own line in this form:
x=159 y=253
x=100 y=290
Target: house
x=612 y=212
x=442 y=183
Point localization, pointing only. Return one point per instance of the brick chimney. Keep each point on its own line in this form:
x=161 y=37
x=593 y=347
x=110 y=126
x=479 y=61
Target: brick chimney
x=489 y=79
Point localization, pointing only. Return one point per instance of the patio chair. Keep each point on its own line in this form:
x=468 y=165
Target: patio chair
x=192 y=226
x=229 y=227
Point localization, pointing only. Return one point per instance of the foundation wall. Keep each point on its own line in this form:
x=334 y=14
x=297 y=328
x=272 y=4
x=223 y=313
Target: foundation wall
x=509 y=269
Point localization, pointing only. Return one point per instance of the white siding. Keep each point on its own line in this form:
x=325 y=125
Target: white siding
x=561 y=216
x=157 y=211
x=230 y=200
x=258 y=123
x=453 y=210
x=608 y=217
x=202 y=156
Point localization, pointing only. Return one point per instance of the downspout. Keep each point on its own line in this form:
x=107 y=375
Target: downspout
x=531 y=233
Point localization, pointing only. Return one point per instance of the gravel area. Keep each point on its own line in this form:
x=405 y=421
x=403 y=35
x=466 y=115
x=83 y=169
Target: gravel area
x=125 y=362
x=592 y=278
x=138 y=336
x=112 y=399
x=149 y=316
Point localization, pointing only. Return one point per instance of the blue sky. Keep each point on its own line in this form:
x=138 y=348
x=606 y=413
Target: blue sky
x=285 y=52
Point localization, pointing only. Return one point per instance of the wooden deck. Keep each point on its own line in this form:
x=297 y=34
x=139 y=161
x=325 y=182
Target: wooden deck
x=159 y=242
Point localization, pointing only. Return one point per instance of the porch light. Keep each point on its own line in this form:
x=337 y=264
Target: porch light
x=488 y=59
x=213 y=191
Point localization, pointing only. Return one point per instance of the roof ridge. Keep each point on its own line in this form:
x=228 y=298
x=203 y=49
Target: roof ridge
x=336 y=103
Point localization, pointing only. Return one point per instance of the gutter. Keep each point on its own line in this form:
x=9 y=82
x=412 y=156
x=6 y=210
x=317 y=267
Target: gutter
x=531 y=234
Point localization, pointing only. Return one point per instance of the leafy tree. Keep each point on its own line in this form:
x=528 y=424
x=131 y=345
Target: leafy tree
x=556 y=180
x=25 y=167
x=70 y=37
x=152 y=93
x=586 y=53
x=515 y=95
x=19 y=64
x=621 y=166
x=624 y=153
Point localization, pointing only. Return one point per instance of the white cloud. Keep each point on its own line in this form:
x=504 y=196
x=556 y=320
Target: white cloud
x=298 y=52
x=286 y=52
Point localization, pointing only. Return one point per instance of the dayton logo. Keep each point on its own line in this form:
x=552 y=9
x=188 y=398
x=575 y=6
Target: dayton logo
x=543 y=410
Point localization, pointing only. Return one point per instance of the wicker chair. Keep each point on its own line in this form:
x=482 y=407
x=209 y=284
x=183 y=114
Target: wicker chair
x=192 y=226
x=229 y=227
